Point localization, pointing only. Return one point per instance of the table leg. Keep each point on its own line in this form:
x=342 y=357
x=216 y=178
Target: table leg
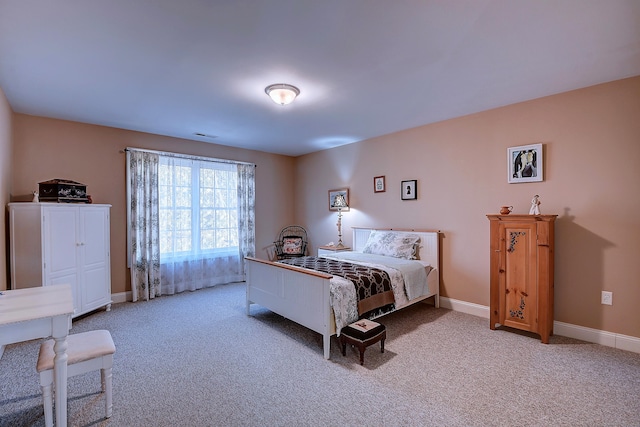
x=60 y=379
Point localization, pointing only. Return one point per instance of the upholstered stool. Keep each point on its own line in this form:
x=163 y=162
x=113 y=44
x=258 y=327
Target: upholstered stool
x=362 y=334
x=86 y=352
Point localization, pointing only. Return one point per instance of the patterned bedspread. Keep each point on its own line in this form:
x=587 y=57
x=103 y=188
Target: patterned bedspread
x=373 y=286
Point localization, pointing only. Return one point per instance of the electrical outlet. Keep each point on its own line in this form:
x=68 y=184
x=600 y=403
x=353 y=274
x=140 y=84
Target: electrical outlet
x=607 y=298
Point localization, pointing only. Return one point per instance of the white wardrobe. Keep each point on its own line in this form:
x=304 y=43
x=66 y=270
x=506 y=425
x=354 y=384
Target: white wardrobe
x=56 y=243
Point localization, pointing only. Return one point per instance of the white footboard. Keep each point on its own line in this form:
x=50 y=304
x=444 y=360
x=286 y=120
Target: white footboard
x=292 y=292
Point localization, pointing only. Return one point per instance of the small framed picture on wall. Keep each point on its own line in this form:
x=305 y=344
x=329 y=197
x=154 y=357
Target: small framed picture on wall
x=378 y=184
x=524 y=163
x=409 y=189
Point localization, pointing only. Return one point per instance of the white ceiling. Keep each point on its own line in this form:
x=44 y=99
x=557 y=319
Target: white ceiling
x=364 y=67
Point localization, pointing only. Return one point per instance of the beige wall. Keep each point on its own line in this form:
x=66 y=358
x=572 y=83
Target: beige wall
x=591 y=140
x=5 y=179
x=45 y=149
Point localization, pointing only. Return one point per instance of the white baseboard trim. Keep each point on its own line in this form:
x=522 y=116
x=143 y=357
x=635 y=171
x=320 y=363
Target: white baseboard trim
x=609 y=339
x=627 y=342
x=465 y=307
x=121 y=297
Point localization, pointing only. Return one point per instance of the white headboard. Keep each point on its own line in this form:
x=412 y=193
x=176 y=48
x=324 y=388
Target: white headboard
x=428 y=249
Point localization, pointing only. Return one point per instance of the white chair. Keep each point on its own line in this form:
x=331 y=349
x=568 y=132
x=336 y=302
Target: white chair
x=86 y=352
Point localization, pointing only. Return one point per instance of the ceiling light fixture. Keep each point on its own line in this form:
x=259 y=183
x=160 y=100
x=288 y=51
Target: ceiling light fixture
x=282 y=93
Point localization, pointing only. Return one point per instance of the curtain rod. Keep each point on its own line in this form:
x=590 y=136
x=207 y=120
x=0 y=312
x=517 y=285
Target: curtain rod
x=186 y=156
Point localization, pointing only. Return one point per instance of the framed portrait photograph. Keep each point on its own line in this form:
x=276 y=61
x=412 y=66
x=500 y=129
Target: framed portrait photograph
x=335 y=202
x=409 y=189
x=524 y=163
x=378 y=184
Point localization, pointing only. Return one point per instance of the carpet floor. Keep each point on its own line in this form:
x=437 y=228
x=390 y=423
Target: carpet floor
x=196 y=359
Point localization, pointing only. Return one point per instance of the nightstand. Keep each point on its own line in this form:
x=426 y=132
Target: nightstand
x=328 y=250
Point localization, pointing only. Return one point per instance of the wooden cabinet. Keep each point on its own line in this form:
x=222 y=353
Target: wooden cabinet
x=521 y=272
x=53 y=244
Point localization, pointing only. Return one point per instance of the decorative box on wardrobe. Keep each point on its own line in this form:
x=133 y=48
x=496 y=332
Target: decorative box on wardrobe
x=521 y=273
x=54 y=243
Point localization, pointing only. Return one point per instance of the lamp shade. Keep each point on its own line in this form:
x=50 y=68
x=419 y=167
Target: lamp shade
x=282 y=93
x=340 y=202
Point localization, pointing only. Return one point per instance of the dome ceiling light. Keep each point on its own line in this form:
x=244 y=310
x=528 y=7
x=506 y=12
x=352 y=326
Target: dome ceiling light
x=282 y=93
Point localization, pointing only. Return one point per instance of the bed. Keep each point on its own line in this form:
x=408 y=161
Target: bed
x=305 y=296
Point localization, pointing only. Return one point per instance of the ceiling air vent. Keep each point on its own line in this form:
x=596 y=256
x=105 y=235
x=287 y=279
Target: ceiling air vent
x=204 y=135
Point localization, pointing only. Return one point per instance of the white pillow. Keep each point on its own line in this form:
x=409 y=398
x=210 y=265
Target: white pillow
x=391 y=243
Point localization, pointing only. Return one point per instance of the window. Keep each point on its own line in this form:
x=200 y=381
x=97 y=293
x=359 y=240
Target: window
x=198 y=206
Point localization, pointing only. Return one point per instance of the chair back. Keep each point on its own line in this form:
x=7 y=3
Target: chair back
x=292 y=242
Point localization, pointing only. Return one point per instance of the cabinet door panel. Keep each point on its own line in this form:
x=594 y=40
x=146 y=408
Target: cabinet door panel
x=520 y=287
x=95 y=236
x=95 y=291
x=96 y=287
x=61 y=240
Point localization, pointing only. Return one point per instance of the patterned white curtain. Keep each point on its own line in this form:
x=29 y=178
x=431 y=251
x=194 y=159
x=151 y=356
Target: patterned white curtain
x=246 y=210
x=143 y=224
x=204 y=210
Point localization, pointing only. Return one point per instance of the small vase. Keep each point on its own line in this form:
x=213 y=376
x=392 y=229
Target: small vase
x=506 y=210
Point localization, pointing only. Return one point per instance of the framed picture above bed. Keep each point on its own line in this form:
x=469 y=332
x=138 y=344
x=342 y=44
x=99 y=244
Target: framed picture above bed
x=524 y=163
x=409 y=189
x=378 y=184
x=332 y=199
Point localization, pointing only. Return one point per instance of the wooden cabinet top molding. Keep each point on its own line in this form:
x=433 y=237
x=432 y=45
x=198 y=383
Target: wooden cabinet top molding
x=520 y=217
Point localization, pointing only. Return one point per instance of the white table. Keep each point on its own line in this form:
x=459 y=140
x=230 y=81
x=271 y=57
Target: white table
x=32 y=313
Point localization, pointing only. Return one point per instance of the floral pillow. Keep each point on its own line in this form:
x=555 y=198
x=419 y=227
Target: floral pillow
x=292 y=245
x=390 y=243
